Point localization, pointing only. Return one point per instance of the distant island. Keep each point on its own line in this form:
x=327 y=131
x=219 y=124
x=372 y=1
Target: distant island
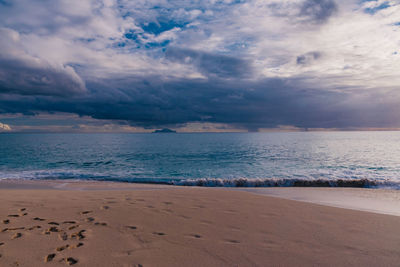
x=165 y=130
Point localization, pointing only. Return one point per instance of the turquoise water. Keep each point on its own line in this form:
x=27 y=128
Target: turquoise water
x=365 y=159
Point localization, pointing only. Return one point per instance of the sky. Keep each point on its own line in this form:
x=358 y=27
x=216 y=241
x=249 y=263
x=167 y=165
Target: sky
x=199 y=65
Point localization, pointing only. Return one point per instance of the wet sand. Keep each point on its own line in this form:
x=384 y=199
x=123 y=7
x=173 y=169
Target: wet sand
x=383 y=201
x=109 y=224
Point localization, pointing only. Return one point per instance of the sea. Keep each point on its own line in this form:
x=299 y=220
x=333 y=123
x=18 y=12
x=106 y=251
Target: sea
x=310 y=159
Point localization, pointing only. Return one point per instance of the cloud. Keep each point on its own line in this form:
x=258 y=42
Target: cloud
x=4 y=127
x=246 y=65
x=211 y=64
x=318 y=11
x=243 y=105
x=21 y=73
x=372 y=7
x=307 y=58
x=63 y=122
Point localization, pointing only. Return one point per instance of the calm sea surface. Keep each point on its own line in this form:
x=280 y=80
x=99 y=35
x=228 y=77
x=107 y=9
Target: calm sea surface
x=215 y=159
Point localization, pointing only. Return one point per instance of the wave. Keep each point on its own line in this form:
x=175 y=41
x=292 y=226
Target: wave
x=205 y=182
x=287 y=182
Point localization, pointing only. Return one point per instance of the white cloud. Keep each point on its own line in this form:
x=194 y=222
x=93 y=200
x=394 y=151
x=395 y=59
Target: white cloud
x=4 y=127
x=272 y=34
x=24 y=73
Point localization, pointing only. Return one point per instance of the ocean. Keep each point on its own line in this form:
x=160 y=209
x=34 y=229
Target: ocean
x=343 y=159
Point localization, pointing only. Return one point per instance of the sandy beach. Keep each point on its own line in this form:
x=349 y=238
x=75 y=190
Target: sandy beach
x=109 y=224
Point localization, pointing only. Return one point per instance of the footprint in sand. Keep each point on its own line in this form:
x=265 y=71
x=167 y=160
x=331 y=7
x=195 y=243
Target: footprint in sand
x=71 y=261
x=16 y=235
x=23 y=209
x=63 y=236
x=193 y=236
x=104 y=207
x=196 y=236
x=73 y=227
x=38 y=219
x=78 y=235
x=132 y=227
x=76 y=246
x=69 y=222
x=16 y=228
x=53 y=229
x=100 y=223
x=49 y=257
x=12 y=229
x=34 y=227
x=90 y=219
x=62 y=248
x=13 y=215
x=6 y=221
x=53 y=223
x=86 y=212
x=158 y=233
x=1 y=243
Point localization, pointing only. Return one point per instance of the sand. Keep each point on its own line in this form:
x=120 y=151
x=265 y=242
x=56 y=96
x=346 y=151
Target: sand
x=99 y=224
x=383 y=201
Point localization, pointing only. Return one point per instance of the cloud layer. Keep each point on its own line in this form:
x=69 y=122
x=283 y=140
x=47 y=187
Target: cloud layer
x=247 y=64
x=4 y=127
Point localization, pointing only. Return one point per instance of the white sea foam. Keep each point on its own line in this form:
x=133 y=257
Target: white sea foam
x=62 y=174
x=286 y=182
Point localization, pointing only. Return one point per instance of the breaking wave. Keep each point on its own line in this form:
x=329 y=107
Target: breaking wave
x=205 y=182
x=286 y=182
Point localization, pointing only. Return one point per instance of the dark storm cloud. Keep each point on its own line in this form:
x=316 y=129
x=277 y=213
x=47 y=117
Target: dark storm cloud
x=211 y=64
x=153 y=102
x=134 y=62
x=318 y=11
x=25 y=78
x=24 y=74
x=307 y=58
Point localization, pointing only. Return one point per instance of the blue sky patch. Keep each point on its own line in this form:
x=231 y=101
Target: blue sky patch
x=139 y=40
x=159 y=27
x=378 y=8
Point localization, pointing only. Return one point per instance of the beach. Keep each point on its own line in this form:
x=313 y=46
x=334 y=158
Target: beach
x=199 y=133
x=57 y=223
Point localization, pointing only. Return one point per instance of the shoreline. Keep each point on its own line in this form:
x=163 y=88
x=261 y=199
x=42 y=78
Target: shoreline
x=375 y=200
x=380 y=201
x=119 y=224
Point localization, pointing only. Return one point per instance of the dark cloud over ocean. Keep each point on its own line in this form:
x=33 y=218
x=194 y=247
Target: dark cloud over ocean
x=247 y=64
